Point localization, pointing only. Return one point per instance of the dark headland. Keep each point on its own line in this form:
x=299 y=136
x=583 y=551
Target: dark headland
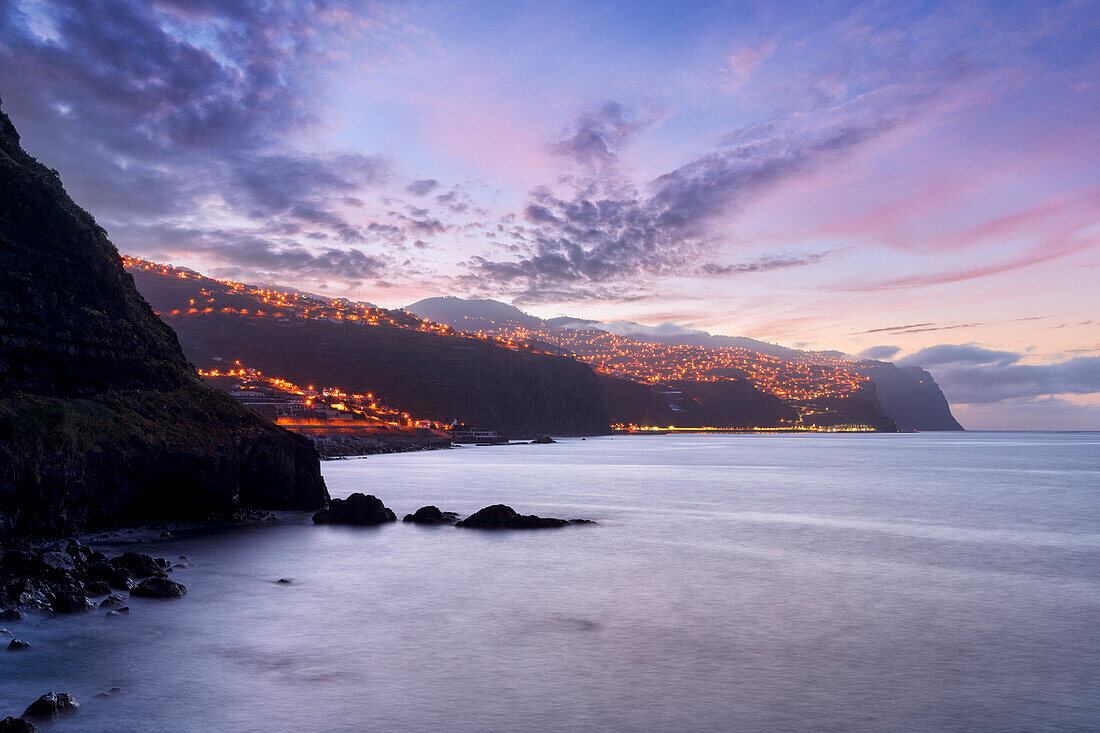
x=102 y=419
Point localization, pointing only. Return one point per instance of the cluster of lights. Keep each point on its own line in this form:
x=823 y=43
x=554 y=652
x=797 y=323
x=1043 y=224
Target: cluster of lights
x=278 y=304
x=800 y=428
x=798 y=381
x=360 y=407
x=808 y=377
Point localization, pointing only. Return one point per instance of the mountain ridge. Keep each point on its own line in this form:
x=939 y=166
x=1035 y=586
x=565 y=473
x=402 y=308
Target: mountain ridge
x=909 y=396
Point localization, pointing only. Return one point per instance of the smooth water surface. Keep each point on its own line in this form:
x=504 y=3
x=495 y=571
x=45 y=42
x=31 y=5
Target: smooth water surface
x=735 y=582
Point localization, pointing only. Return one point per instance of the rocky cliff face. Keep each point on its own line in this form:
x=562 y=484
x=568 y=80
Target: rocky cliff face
x=102 y=419
x=910 y=396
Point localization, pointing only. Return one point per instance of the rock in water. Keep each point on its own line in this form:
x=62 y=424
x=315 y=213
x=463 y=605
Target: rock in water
x=70 y=602
x=356 y=509
x=159 y=586
x=16 y=725
x=96 y=588
x=11 y=614
x=112 y=601
x=502 y=516
x=17 y=645
x=139 y=565
x=543 y=440
x=102 y=419
x=430 y=515
x=51 y=706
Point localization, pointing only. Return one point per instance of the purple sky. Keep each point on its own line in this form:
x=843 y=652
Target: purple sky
x=913 y=181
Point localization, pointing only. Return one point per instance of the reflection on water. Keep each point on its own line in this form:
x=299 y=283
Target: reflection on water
x=878 y=582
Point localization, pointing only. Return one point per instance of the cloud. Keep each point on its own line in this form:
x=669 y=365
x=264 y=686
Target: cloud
x=258 y=255
x=609 y=229
x=880 y=353
x=184 y=112
x=763 y=264
x=422 y=187
x=921 y=328
x=971 y=374
x=743 y=62
x=958 y=354
x=268 y=184
x=597 y=135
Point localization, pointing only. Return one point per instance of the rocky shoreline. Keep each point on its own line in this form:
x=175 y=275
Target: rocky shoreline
x=69 y=577
x=332 y=447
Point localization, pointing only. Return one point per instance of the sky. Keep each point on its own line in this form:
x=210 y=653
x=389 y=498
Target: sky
x=916 y=182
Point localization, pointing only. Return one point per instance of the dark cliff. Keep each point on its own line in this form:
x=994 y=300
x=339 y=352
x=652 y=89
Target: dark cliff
x=102 y=419
x=910 y=396
x=727 y=403
x=634 y=403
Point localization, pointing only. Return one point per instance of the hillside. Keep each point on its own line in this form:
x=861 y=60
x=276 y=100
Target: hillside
x=497 y=374
x=102 y=419
x=423 y=369
x=911 y=396
x=908 y=397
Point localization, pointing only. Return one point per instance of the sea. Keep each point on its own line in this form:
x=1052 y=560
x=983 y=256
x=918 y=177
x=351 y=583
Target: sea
x=796 y=582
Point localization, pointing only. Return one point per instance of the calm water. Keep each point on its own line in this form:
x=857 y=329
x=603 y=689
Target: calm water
x=780 y=582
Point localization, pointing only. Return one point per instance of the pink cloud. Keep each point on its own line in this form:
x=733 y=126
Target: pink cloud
x=1039 y=253
x=742 y=63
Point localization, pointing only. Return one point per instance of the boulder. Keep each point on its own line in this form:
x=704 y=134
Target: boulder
x=431 y=515
x=356 y=509
x=56 y=562
x=17 y=645
x=101 y=570
x=16 y=725
x=141 y=566
x=70 y=602
x=78 y=551
x=121 y=579
x=51 y=706
x=97 y=588
x=502 y=516
x=11 y=614
x=113 y=601
x=159 y=586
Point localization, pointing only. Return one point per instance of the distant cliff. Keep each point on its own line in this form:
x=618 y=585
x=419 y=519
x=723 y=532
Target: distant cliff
x=729 y=403
x=102 y=419
x=910 y=396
